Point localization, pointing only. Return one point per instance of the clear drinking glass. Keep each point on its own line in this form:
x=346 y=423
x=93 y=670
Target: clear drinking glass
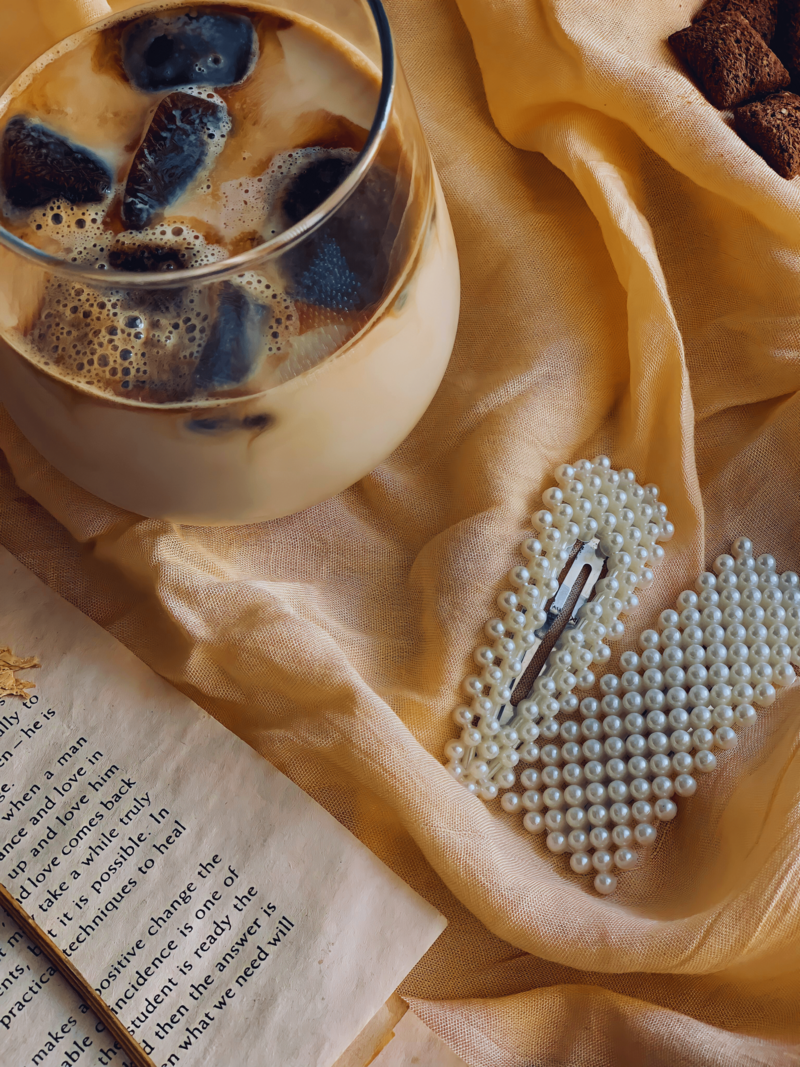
x=279 y=405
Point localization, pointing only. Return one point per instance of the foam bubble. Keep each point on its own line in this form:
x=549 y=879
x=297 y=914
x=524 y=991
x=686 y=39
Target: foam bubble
x=139 y=344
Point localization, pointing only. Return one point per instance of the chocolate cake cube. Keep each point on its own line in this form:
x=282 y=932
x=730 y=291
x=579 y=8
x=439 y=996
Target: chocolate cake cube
x=730 y=60
x=772 y=128
x=761 y=14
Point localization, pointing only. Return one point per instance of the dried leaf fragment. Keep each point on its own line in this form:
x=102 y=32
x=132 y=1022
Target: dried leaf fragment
x=10 y=685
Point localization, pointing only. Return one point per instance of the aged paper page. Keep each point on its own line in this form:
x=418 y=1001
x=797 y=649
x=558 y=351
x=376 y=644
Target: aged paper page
x=414 y=1045
x=223 y=915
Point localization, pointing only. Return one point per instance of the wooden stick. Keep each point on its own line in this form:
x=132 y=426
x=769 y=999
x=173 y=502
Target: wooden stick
x=68 y=970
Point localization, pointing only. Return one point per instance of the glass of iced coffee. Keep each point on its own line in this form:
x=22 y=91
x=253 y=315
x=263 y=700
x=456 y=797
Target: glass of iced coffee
x=228 y=280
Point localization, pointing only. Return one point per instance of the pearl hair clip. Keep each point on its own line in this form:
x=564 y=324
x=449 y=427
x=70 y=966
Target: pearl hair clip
x=601 y=783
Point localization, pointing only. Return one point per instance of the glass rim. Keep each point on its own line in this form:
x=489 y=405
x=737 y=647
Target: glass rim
x=282 y=242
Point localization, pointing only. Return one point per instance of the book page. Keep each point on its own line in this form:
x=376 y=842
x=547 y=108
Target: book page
x=414 y=1044
x=221 y=913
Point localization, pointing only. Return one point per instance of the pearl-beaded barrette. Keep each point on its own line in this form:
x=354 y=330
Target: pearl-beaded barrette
x=604 y=771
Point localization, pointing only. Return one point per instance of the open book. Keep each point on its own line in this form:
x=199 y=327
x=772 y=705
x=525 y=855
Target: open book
x=223 y=915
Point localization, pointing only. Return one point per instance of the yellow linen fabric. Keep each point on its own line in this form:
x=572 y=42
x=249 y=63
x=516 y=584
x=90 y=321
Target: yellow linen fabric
x=631 y=286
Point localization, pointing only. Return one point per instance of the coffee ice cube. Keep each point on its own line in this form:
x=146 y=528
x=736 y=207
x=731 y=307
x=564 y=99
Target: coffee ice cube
x=38 y=166
x=184 y=50
x=145 y=258
x=173 y=152
x=235 y=339
x=345 y=264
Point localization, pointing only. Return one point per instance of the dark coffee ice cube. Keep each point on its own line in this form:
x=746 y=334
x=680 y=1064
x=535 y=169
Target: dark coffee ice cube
x=145 y=258
x=184 y=50
x=229 y=355
x=328 y=281
x=313 y=185
x=39 y=165
x=344 y=265
x=172 y=154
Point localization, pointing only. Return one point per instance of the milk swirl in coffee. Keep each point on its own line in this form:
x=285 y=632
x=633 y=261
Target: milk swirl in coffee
x=173 y=137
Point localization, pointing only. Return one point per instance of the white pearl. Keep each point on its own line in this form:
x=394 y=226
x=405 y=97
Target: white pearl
x=454 y=750
x=578 y=840
x=533 y=822
x=702 y=739
x=471 y=787
x=615 y=768
x=531 y=548
x=556 y=842
x=595 y=793
x=605 y=883
x=718 y=674
x=725 y=738
x=532 y=800
x=580 y=862
x=663 y=788
x=672 y=656
x=678 y=718
x=636 y=744
x=462 y=716
x=742 y=546
x=510 y=802
x=622 y=836
x=555 y=821
x=705 y=761
x=676 y=697
x=626 y=859
x=654 y=700
x=602 y=860
x=656 y=720
x=505 y=779
x=594 y=771
x=745 y=715
x=645 y=835
x=573 y=774
x=685 y=785
x=640 y=789
x=681 y=741
x=682 y=763
x=665 y=810
x=660 y=765
x=633 y=702
x=477 y=769
x=576 y=818
x=783 y=675
x=551 y=777
x=472 y=686
x=598 y=815
x=507 y=601
x=488 y=791
x=696 y=673
x=620 y=813
x=456 y=770
x=764 y=694
x=599 y=837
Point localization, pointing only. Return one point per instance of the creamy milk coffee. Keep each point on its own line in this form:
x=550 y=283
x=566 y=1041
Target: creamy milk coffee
x=177 y=137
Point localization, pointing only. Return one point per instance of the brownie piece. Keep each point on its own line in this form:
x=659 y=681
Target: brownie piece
x=787 y=35
x=772 y=128
x=730 y=60
x=761 y=14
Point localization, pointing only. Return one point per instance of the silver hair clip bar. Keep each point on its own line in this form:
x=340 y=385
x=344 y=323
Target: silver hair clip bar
x=603 y=772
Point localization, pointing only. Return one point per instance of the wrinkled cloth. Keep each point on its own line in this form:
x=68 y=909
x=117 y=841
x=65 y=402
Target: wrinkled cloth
x=630 y=286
